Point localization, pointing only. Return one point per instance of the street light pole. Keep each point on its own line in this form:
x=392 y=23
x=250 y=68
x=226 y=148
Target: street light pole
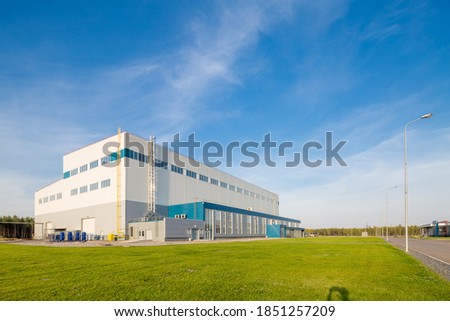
x=406 y=176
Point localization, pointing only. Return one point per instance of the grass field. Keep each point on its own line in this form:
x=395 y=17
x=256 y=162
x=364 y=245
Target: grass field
x=286 y=269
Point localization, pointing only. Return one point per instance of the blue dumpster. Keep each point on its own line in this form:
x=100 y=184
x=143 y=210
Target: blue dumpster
x=77 y=235
x=83 y=236
x=69 y=236
x=61 y=236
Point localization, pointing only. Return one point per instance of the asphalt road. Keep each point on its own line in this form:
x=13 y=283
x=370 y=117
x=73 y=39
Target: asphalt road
x=434 y=248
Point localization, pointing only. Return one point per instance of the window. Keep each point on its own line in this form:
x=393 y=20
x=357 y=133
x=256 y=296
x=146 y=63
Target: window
x=214 y=181
x=106 y=183
x=83 y=189
x=229 y=218
x=93 y=186
x=74 y=192
x=258 y=196
x=223 y=223
x=106 y=159
x=217 y=221
x=191 y=174
x=52 y=198
x=74 y=172
x=239 y=190
x=232 y=187
x=58 y=196
x=223 y=184
x=66 y=174
x=252 y=194
x=238 y=220
x=93 y=164
x=203 y=178
x=83 y=168
x=159 y=163
x=109 y=159
x=46 y=199
x=246 y=192
x=176 y=169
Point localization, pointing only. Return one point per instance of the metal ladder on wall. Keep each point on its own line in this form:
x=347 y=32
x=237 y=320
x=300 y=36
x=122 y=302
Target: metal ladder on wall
x=151 y=210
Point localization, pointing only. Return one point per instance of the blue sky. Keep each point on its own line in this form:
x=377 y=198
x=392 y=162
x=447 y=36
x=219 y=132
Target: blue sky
x=71 y=72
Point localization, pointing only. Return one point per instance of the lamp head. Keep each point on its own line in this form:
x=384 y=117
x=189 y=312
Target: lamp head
x=426 y=116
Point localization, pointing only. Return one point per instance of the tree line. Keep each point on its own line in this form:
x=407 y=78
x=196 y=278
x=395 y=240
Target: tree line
x=371 y=231
x=16 y=227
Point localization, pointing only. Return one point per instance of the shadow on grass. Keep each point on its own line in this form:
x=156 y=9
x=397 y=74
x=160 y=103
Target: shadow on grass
x=340 y=294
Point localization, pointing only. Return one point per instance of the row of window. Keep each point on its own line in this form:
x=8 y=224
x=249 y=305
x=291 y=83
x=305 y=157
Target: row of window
x=50 y=198
x=222 y=222
x=81 y=169
x=128 y=153
x=92 y=187
x=216 y=182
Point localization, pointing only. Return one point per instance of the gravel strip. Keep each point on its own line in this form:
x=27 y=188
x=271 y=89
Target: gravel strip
x=441 y=268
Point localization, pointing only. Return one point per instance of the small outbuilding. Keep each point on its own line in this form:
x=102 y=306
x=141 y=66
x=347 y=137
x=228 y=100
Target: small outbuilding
x=167 y=229
x=436 y=228
x=281 y=231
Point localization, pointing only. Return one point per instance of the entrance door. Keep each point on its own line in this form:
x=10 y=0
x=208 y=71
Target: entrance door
x=195 y=234
x=149 y=235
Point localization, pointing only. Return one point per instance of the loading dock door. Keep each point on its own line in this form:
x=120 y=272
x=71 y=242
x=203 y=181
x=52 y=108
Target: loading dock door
x=88 y=225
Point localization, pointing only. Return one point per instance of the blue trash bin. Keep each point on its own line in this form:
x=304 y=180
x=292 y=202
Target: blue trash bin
x=69 y=236
x=77 y=236
x=83 y=237
x=61 y=236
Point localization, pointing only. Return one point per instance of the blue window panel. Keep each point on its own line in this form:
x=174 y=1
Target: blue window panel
x=66 y=174
x=113 y=157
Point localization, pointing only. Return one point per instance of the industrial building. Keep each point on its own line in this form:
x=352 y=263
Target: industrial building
x=436 y=228
x=130 y=187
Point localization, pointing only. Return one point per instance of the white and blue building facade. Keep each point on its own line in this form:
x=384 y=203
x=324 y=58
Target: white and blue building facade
x=106 y=188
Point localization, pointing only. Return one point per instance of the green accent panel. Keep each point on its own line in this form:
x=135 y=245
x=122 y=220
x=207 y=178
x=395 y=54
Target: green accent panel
x=113 y=156
x=193 y=211
x=274 y=231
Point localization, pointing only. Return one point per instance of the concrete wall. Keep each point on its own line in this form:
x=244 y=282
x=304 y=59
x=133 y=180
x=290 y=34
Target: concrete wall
x=71 y=220
x=166 y=230
x=152 y=231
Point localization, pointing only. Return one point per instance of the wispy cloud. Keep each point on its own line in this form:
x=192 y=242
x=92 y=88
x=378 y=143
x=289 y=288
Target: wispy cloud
x=395 y=20
x=42 y=116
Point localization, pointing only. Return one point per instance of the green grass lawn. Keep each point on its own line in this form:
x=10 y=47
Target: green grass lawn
x=287 y=269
